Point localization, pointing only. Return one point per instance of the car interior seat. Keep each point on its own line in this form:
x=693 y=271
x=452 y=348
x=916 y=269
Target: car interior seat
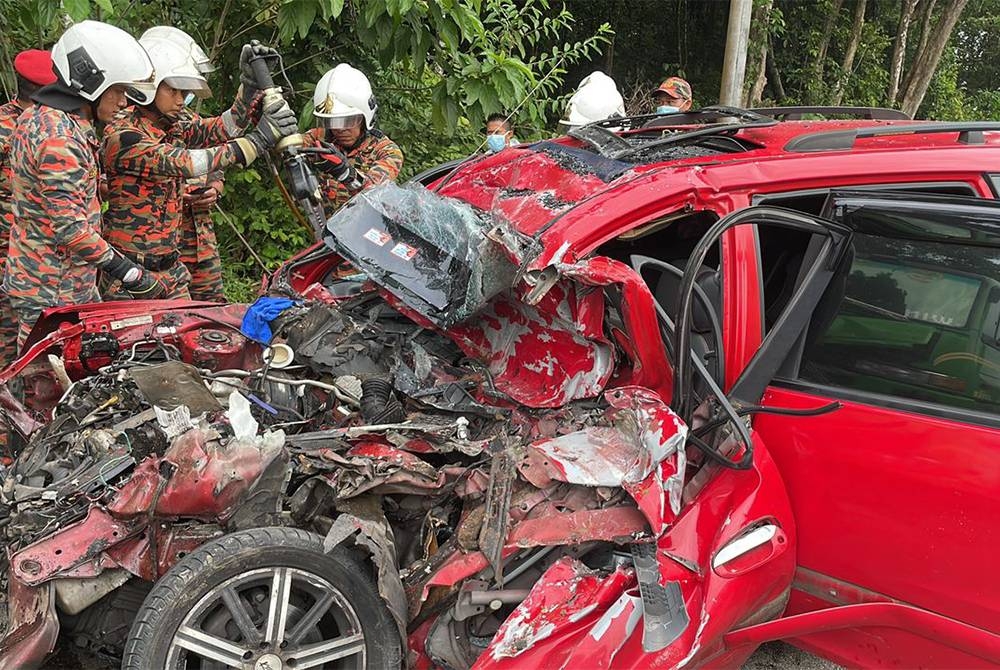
x=706 y=330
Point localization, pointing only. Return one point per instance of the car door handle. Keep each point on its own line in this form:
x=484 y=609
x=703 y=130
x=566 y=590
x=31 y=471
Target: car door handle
x=767 y=534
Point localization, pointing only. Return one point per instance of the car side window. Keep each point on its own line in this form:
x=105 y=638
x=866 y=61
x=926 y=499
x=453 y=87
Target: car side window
x=915 y=316
x=811 y=201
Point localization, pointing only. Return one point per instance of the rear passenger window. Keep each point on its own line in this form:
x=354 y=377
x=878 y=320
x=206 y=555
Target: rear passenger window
x=915 y=318
x=811 y=202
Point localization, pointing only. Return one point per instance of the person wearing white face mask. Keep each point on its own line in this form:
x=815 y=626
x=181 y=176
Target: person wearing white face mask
x=672 y=96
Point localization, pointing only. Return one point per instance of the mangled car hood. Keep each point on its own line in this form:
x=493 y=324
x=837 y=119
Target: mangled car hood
x=431 y=252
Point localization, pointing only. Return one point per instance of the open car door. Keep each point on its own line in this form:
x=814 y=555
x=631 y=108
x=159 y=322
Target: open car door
x=724 y=563
x=895 y=494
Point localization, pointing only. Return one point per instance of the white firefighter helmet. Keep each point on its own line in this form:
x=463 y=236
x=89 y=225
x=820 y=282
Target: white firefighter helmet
x=596 y=98
x=341 y=95
x=91 y=57
x=173 y=65
x=184 y=41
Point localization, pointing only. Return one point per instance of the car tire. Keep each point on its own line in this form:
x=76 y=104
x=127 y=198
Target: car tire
x=214 y=608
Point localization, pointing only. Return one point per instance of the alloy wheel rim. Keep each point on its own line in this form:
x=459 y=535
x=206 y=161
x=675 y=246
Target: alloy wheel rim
x=277 y=618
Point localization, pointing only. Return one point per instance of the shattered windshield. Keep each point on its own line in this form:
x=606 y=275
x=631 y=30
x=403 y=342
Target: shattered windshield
x=430 y=251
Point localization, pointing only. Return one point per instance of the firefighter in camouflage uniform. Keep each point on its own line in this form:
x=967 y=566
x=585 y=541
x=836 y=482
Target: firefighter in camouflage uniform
x=151 y=150
x=199 y=249
x=56 y=247
x=359 y=156
x=33 y=69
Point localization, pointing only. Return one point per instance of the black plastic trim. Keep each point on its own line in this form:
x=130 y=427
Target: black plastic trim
x=970 y=132
x=891 y=402
x=795 y=113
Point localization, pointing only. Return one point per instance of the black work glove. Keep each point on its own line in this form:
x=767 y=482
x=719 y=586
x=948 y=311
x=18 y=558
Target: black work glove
x=135 y=279
x=334 y=163
x=277 y=120
x=251 y=51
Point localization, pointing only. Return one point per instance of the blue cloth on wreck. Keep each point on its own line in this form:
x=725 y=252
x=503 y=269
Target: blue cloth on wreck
x=257 y=320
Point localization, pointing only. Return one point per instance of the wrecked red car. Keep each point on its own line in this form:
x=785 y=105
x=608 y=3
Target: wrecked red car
x=521 y=421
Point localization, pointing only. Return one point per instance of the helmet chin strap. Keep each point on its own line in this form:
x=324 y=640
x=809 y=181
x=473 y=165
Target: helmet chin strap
x=94 y=118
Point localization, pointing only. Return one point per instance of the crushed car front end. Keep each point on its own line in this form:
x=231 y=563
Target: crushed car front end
x=499 y=452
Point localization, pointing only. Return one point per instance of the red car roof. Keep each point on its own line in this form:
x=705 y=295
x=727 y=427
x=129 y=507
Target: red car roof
x=566 y=194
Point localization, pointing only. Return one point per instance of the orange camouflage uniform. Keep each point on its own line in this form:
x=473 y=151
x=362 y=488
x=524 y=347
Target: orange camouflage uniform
x=8 y=323
x=376 y=158
x=200 y=249
x=55 y=242
x=147 y=161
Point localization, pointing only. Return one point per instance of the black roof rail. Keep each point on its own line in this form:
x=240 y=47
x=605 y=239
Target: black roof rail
x=969 y=132
x=797 y=112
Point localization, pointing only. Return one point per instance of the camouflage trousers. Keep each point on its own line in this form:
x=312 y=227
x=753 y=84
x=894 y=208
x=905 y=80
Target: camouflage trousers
x=26 y=312
x=8 y=347
x=199 y=251
x=76 y=285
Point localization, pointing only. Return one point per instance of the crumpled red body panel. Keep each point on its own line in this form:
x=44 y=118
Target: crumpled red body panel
x=208 y=481
x=641 y=450
x=542 y=356
x=568 y=604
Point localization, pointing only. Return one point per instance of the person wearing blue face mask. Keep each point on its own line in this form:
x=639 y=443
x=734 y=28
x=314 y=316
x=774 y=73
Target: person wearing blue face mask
x=499 y=132
x=672 y=96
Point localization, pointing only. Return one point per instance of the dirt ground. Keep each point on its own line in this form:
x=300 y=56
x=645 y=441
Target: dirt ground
x=778 y=656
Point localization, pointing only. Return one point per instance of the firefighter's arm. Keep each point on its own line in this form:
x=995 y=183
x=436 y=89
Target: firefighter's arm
x=245 y=111
x=202 y=132
x=68 y=186
x=131 y=152
x=386 y=166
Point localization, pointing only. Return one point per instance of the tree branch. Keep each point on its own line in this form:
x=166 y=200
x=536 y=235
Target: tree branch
x=824 y=45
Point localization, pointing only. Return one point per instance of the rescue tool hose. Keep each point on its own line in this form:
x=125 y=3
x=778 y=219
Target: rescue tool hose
x=265 y=82
x=760 y=409
x=287 y=197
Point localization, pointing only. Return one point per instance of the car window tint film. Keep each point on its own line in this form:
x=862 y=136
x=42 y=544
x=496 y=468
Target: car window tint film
x=917 y=318
x=811 y=201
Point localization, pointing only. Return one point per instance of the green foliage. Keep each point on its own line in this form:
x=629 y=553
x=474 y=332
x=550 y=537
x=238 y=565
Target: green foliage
x=657 y=38
x=263 y=220
x=945 y=98
x=438 y=67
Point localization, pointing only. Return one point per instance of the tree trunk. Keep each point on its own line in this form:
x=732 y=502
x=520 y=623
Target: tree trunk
x=857 y=25
x=735 y=61
x=757 y=68
x=928 y=58
x=926 y=8
x=756 y=94
x=899 y=49
x=824 y=45
x=925 y=24
x=774 y=76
